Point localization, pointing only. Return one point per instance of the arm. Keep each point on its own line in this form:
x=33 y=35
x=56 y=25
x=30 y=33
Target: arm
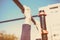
x=19 y=5
x=23 y=9
x=33 y=20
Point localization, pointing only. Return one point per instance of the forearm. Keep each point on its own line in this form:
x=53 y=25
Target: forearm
x=33 y=20
x=19 y=5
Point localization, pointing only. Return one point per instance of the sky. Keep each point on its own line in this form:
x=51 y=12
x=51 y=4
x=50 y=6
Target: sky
x=9 y=10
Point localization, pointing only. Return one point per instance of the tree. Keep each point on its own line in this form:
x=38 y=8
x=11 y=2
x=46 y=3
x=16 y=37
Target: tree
x=7 y=37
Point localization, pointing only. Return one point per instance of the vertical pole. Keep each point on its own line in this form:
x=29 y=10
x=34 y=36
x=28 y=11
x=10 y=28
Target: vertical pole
x=26 y=28
x=43 y=24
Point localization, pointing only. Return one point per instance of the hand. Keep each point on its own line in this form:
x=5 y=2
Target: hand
x=44 y=32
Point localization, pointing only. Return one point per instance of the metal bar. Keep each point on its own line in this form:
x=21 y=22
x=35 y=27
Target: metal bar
x=16 y=19
x=11 y=20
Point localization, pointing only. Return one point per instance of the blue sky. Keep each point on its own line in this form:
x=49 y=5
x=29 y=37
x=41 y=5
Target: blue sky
x=8 y=7
x=9 y=10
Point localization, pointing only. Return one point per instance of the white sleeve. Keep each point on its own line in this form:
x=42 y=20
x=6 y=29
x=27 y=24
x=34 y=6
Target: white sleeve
x=27 y=14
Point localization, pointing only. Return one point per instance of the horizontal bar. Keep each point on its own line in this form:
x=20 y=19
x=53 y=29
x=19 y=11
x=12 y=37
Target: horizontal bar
x=16 y=19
